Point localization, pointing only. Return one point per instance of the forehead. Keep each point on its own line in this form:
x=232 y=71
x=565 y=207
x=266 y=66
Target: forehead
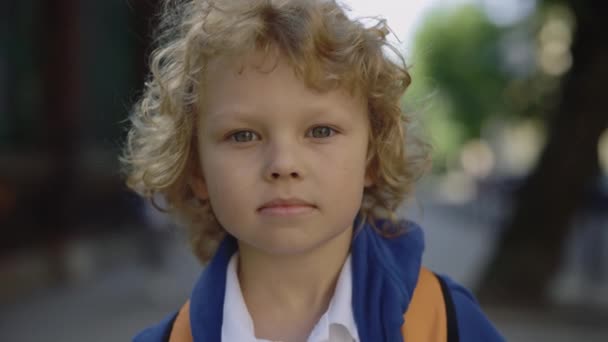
x=250 y=69
x=267 y=80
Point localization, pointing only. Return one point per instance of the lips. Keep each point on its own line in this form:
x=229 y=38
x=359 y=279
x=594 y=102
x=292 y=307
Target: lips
x=286 y=207
x=287 y=202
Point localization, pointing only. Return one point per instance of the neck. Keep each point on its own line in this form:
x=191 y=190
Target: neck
x=291 y=289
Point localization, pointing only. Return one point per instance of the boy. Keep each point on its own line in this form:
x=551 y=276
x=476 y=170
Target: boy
x=274 y=131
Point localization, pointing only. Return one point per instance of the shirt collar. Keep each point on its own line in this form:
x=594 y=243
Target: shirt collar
x=340 y=310
x=236 y=323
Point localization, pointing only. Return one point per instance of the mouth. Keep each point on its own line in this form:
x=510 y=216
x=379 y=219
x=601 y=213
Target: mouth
x=286 y=207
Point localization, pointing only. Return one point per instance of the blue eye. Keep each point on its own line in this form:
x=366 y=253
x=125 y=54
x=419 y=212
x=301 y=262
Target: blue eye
x=322 y=132
x=243 y=136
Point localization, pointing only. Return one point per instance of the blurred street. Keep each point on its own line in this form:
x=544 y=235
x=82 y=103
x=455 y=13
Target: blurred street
x=128 y=294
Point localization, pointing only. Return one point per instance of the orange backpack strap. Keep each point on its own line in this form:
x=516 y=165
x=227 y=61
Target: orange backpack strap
x=181 y=331
x=430 y=316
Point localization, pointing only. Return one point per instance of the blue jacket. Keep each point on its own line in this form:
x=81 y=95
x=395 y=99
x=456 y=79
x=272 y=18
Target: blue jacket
x=384 y=271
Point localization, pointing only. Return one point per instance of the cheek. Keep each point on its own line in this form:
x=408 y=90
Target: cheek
x=218 y=175
x=227 y=172
x=228 y=183
x=345 y=173
x=351 y=161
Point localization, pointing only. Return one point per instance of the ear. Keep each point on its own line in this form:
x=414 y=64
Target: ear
x=370 y=174
x=199 y=186
x=368 y=180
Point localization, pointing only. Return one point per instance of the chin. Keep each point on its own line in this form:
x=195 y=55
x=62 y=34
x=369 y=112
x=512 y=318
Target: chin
x=293 y=248
x=288 y=245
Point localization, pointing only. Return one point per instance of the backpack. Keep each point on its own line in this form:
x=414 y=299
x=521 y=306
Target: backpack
x=430 y=317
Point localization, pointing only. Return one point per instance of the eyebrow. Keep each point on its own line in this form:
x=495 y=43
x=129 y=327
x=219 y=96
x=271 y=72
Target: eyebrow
x=231 y=114
x=239 y=114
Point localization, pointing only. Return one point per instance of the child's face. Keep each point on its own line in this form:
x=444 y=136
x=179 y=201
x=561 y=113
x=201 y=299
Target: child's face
x=264 y=136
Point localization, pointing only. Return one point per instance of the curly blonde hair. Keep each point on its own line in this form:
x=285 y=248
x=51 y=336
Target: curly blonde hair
x=326 y=49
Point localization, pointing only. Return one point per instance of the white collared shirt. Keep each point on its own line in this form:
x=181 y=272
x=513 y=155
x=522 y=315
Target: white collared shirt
x=336 y=325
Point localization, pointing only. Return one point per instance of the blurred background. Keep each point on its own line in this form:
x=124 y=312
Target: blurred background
x=509 y=92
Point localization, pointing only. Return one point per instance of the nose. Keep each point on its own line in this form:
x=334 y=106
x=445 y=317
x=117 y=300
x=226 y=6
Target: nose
x=282 y=162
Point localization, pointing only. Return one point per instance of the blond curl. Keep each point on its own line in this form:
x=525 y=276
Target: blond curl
x=326 y=49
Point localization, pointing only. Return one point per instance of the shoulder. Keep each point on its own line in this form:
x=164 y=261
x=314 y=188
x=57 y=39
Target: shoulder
x=473 y=324
x=159 y=332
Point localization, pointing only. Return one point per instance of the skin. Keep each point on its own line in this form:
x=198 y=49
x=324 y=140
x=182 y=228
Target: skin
x=263 y=135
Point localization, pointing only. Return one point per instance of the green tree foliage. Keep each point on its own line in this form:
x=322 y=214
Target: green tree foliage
x=459 y=77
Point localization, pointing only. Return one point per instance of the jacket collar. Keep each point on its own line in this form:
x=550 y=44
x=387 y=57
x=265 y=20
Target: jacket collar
x=384 y=273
